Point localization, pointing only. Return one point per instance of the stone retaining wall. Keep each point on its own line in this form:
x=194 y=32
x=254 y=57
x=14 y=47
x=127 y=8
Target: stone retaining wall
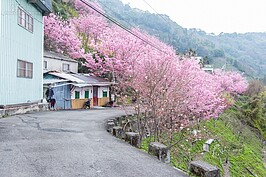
x=10 y=110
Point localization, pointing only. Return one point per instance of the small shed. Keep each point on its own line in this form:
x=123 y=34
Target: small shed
x=61 y=85
x=61 y=90
x=94 y=88
x=71 y=91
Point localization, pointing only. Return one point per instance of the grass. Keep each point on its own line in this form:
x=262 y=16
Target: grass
x=234 y=142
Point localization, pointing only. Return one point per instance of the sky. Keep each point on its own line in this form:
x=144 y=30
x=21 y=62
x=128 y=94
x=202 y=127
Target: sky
x=211 y=16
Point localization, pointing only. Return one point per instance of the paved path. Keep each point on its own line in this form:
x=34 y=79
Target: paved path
x=71 y=144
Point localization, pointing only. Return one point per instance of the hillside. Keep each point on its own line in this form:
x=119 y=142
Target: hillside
x=172 y=95
x=246 y=52
x=236 y=150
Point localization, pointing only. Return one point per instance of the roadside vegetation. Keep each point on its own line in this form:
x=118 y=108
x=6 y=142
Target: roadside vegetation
x=239 y=154
x=238 y=133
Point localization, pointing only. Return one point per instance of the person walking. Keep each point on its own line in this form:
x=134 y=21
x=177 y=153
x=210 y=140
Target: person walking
x=52 y=103
x=49 y=93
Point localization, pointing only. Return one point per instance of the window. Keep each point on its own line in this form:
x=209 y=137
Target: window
x=24 y=69
x=104 y=93
x=25 y=20
x=45 y=64
x=77 y=96
x=65 y=67
x=86 y=94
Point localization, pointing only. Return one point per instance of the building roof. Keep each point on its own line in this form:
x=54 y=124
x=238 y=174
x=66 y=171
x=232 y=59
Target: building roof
x=53 y=81
x=66 y=76
x=44 y=6
x=81 y=85
x=93 y=80
x=57 y=56
x=78 y=80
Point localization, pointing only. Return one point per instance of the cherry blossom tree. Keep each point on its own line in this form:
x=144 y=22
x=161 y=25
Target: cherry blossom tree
x=231 y=82
x=61 y=36
x=171 y=90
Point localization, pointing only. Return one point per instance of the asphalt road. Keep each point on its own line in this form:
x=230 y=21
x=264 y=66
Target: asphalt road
x=71 y=144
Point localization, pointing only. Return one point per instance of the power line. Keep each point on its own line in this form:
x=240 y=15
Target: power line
x=156 y=12
x=159 y=16
x=121 y=26
x=102 y=4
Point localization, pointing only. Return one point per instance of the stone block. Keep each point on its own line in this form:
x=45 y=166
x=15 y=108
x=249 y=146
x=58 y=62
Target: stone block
x=204 y=169
x=119 y=120
x=118 y=132
x=2 y=112
x=110 y=126
x=133 y=139
x=110 y=120
x=206 y=145
x=134 y=125
x=159 y=150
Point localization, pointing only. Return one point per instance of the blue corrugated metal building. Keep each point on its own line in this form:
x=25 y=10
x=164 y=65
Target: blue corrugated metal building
x=61 y=89
x=61 y=84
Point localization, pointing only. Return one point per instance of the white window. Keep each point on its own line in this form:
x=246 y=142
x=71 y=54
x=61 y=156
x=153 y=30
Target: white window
x=24 y=69
x=45 y=65
x=66 y=67
x=25 y=20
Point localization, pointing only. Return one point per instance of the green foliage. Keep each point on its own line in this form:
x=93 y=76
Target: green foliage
x=145 y=144
x=257 y=113
x=65 y=10
x=234 y=142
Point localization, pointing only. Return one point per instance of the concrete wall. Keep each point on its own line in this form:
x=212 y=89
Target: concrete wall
x=83 y=89
x=18 y=43
x=57 y=65
x=79 y=103
x=34 y=107
x=103 y=101
x=82 y=92
x=100 y=91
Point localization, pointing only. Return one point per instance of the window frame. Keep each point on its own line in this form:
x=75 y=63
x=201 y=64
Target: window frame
x=68 y=67
x=45 y=64
x=105 y=91
x=87 y=94
x=77 y=94
x=24 y=69
x=25 y=19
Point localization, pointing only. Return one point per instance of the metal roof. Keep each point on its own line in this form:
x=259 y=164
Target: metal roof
x=78 y=80
x=93 y=80
x=53 y=81
x=44 y=6
x=67 y=77
x=81 y=85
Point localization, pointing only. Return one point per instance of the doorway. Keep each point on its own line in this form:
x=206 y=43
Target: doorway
x=95 y=95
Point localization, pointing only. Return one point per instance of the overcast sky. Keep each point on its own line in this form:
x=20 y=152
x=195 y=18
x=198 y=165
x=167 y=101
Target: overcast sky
x=212 y=16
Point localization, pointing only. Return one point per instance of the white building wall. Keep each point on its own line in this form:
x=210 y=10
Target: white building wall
x=57 y=65
x=82 y=92
x=100 y=91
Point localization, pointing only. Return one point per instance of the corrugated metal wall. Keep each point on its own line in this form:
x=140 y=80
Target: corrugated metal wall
x=0 y=21
x=18 y=43
x=62 y=97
